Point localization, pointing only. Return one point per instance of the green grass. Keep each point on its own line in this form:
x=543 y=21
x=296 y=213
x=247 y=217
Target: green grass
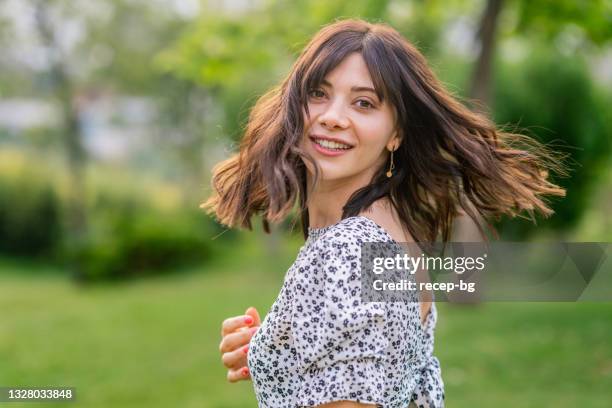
x=154 y=343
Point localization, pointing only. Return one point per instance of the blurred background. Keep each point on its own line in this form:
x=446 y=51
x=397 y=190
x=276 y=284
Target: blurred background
x=112 y=114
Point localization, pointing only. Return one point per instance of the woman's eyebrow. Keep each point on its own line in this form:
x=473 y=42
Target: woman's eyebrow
x=354 y=88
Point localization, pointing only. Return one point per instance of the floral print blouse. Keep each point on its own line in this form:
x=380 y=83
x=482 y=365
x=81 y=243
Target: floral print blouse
x=320 y=343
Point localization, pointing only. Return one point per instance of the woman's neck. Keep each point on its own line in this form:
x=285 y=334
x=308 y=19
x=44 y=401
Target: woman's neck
x=327 y=200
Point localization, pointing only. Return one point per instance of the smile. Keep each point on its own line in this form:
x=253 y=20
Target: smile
x=329 y=147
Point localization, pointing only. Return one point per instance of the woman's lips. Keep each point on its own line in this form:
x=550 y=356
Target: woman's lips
x=328 y=152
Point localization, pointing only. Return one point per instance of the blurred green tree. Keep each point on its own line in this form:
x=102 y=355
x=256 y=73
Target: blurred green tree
x=565 y=111
x=62 y=88
x=587 y=22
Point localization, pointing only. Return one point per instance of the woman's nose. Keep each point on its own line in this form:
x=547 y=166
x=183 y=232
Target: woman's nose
x=334 y=116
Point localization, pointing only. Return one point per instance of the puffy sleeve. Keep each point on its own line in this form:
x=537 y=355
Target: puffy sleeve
x=340 y=341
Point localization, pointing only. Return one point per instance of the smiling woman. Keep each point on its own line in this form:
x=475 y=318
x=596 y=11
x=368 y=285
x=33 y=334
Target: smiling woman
x=361 y=126
x=347 y=99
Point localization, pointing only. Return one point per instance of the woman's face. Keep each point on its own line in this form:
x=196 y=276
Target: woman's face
x=349 y=132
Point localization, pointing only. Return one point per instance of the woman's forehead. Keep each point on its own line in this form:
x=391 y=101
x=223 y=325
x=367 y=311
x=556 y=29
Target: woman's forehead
x=351 y=73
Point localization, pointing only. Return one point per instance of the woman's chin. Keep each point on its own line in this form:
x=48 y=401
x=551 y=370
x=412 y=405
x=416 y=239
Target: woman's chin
x=331 y=177
x=330 y=173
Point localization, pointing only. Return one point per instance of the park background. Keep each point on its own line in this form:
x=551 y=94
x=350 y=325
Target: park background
x=112 y=114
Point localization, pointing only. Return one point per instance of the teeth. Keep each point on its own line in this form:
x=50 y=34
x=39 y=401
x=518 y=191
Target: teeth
x=331 y=145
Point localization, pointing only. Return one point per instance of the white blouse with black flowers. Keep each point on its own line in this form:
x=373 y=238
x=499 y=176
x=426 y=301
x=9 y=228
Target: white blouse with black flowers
x=320 y=343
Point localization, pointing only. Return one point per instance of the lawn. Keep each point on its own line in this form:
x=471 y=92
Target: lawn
x=154 y=342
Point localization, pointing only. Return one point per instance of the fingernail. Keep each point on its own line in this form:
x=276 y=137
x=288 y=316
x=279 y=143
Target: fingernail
x=248 y=320
x=245 y=349
x=254 y=329
x=245 y=371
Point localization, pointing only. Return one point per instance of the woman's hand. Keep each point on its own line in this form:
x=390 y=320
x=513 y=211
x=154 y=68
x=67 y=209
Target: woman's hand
x=236 y=333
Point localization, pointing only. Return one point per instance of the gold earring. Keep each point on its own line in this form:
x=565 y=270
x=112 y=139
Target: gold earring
x=391 y=166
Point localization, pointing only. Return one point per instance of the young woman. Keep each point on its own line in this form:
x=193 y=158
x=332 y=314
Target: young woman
x=365 y=139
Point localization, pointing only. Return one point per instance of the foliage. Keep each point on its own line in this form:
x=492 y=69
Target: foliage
x=135 y=231
x=566 y=112
x=29 y=214
x=590 y=19
x=133 y=240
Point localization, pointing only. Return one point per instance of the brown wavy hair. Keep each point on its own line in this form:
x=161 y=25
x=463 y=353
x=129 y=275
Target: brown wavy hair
x=450 y=161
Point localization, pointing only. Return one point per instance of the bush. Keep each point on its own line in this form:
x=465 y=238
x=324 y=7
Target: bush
x=30 y=216
x=129 y=237
x=554 y=98
x=132 y=231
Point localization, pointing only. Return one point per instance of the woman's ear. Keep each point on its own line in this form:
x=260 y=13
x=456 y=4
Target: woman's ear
x=394 y=142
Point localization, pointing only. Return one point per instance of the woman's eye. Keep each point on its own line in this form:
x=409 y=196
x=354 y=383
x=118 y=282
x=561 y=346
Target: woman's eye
x=316 y=93
x=365 y=104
